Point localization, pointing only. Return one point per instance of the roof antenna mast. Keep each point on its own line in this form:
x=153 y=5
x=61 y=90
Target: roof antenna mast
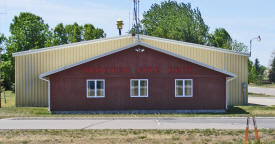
x=136 y=17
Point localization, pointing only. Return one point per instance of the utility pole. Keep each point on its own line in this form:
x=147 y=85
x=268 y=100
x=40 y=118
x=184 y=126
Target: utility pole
x=136 y=17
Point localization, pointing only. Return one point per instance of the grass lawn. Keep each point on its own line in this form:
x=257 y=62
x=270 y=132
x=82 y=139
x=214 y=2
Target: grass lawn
x=9 y=110
x=259 y=95
x=133 y=136
x=263 y=85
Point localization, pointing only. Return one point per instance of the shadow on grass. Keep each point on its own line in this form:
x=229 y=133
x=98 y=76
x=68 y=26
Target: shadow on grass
x=252 y=104
x=236 y=110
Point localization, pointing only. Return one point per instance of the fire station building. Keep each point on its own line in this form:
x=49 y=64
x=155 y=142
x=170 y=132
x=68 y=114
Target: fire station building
x=129 y=74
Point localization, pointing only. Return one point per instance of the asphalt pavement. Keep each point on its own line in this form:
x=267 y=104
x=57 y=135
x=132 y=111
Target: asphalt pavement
x=135 y=123
x=261 y=90
x=265 y=101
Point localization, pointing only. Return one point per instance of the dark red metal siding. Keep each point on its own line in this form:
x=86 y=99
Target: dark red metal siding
x=68 y=88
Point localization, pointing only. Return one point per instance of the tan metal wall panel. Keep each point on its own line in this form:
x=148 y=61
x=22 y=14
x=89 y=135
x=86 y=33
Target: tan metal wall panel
x=230 y=62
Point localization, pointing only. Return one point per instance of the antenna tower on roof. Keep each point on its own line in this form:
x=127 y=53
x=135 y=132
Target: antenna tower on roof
x=136 y=17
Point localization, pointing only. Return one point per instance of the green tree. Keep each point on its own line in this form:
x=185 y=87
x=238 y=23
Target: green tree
x=239 y=47
x=6 y=67
x=271 y=75
x=259 y=71
x=74 y=32
x=220 y=38
x=257 y=66
x=99 y=33
x=251 y=72
x=6 y=71
x=28 y=31
x=262 y=69
x=90 y=32
x=134 y=29
x=59 y=35
x=2 y=41
x=177 y=21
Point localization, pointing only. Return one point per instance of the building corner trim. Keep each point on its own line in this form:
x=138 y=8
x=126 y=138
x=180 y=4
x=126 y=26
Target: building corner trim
x=226 y=90
x=49 y=92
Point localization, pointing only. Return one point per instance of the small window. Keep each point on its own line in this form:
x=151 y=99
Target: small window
x=139 y=87
x=95 y=88
x=183 y=87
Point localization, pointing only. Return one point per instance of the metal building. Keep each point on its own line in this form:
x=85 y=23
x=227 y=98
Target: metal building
x=31 y=90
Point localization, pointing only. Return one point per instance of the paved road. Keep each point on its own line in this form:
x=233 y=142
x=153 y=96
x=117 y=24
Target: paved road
x=260 y=90
x=266 y=101
x=133 y=123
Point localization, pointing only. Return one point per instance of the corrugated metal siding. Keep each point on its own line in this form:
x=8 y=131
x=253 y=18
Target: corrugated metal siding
x=31 y=91
x=230 y=62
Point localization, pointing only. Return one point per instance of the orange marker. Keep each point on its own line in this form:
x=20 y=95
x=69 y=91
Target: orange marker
x=246 y=130
x=256 y=129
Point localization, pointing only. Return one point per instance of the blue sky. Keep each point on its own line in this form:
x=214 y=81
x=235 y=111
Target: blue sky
x=243 y=19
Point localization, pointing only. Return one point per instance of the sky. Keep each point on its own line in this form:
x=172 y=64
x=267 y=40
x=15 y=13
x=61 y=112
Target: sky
x=243 y=19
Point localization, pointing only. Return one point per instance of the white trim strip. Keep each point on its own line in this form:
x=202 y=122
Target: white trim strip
x=226 y=91
x=49 y=93
x=133 y=45
x=67 y=45
x=194 y=45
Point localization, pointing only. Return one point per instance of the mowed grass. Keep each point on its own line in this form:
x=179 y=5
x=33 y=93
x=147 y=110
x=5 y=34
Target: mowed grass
x=262 y=85
x=9 y=110
x=132 y=136
x=259 y=95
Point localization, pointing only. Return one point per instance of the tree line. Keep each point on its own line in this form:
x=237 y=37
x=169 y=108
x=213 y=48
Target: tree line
x=255 y=72
x=271 y=73
x=29 y=31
